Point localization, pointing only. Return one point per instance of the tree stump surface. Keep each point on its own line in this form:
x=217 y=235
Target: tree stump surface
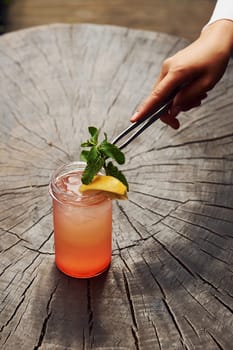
x=170 y=284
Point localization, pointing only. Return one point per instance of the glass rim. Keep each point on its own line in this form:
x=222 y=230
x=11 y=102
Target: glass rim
x=91 y=198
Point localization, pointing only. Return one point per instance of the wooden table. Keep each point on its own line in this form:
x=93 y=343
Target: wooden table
x=170 y=285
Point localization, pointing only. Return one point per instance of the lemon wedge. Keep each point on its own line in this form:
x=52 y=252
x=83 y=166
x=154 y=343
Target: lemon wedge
x=113 y=187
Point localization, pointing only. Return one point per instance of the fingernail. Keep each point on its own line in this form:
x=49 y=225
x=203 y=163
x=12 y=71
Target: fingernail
x=134 y=116
x=176 y=124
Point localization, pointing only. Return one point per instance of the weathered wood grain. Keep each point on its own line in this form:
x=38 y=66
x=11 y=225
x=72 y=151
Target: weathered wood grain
x=170 y=285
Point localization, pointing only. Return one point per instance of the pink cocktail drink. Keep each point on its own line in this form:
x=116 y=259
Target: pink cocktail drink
x=82 y=225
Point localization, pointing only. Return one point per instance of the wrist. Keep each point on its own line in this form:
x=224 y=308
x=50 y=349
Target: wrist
x=222 y=32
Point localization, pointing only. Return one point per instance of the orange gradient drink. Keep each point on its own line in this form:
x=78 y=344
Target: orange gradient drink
x=82 y=224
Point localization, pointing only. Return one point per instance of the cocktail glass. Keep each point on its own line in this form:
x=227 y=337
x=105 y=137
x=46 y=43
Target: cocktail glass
x=82 y=224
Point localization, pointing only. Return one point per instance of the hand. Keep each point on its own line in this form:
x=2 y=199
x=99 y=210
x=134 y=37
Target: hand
x=198 y=68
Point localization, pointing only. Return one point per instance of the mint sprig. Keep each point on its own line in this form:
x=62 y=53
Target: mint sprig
x=98 y=154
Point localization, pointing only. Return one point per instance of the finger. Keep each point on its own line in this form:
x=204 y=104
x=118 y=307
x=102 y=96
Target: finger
x=194 y=104
x=187 y=98
x=170 y=117
x=171 y=121
x=163 y=89
x=175 y=110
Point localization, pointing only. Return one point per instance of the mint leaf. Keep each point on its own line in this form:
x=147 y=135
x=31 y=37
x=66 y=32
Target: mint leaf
x=93 y=154
x=84 y=155
x=94 y=132
x=112 y=151
x=86 y=144
x=92 y=168
x=112 y=170
x=97 y=155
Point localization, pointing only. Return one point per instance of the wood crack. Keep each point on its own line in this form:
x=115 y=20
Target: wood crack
x=123 y=62
x=146 y=209
x=37 y=221
x=125 y=247
x=135 y=244
x=11 y=191
x=42 y=244
x=30 y=131
x=225 y=262
x=131 y=306
x=10 y=247
x=68 y=68
x=46 y=320
x=31 y=263
x=26 y=72
x=38 y=251
x=155 y=279
x=224 y=304
x=90 y=312
x=128 y=219
x=206 y=215
x=136 y=340
x=175 y=322
x=164 y=299
x=205 y=281
x=191 y=326
x=122 y=258
x=212 y=139
x=5 y=268
x=158 y=197
x=197 y=301
x=219 y=206
x=156 y=335
x=179 y=233
x=14 y=234
x=216 y=341
x=23 y=295
x=215 y=183
x=175 y=257
x=197 y=225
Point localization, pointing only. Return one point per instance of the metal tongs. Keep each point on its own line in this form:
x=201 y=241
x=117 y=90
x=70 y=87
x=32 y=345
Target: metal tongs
x=145 y=122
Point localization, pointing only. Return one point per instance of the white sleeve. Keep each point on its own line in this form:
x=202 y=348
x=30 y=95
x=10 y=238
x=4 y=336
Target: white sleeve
x=223 y=10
